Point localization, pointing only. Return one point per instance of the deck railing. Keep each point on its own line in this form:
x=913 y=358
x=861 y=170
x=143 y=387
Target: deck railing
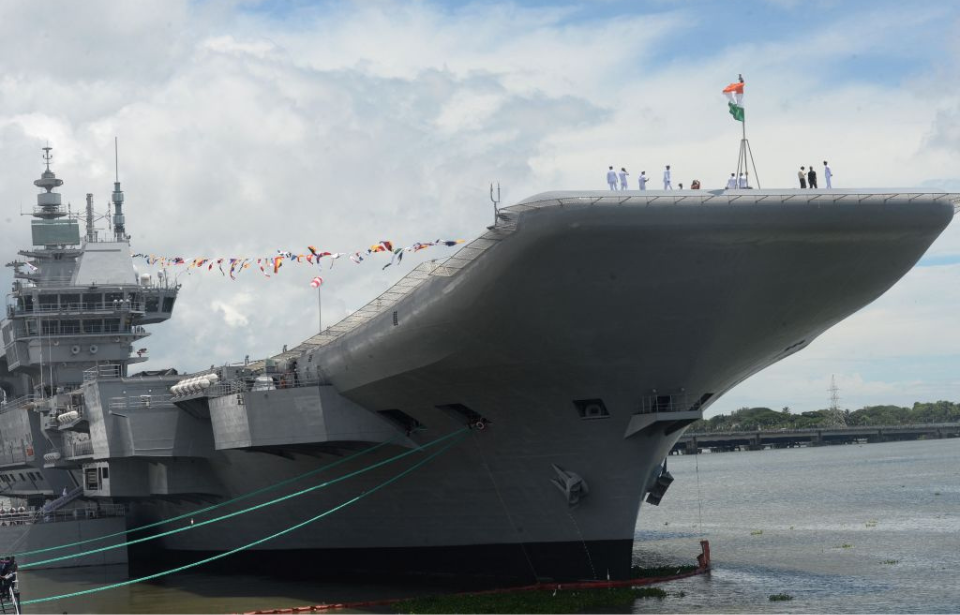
x=20 y=402
x=36 y=515
x=140 y=402
x=82 y=448
x=109 y=371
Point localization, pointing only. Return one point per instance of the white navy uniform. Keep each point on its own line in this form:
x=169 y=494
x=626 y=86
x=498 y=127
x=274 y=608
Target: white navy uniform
x=623 y=180
x=828 y=174
x=612 y=179
x=731 y=183
x=666 y=180
x=742 y=182
x=643 y=181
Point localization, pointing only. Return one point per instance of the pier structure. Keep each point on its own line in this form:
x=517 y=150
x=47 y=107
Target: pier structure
x=723 y=441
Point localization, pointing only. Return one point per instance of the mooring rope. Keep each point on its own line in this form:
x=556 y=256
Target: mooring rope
x=255 y=543
x=201 y=511
x=243 y=511
x=506 y=511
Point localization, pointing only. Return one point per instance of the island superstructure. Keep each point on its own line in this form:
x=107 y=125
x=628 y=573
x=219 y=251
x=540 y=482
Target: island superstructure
x=77 y=307
x=574 y=341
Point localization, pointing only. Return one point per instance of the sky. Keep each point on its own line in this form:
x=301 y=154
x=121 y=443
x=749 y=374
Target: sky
x=245 y=127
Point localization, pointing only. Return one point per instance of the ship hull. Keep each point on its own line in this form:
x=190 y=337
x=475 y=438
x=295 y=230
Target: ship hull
x=589 y=300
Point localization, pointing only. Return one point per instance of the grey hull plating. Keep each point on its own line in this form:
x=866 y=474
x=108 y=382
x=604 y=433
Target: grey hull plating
x=580 y=297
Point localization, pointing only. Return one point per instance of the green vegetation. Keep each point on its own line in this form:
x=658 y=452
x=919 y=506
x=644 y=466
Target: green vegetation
x=540 y=601
x=756 y=532
x=766 y=419
x=781 y=597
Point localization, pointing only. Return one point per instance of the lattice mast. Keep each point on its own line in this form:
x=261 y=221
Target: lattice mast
x=835 y=412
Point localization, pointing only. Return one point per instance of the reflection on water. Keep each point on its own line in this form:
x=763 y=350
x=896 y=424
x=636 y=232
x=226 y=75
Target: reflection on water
x=871 y=529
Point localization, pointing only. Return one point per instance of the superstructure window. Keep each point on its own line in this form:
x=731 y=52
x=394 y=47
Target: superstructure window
x=168 y=304
x=92 y=301
x=69 y=302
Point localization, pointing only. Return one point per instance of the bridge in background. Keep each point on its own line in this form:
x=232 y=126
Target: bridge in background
x=721 y=441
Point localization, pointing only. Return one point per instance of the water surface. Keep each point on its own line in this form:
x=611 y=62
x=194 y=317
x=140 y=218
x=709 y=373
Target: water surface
x=843 y=529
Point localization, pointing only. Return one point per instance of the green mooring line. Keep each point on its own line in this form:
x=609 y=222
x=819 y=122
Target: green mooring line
x=236 y=513
x=254 y=543
x=218 y=505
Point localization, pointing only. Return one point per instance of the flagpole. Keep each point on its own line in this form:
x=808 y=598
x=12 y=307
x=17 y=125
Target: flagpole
x=745 y=158
x=320 y=307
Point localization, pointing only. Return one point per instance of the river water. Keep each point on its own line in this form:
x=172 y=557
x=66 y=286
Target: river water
x=869 y=528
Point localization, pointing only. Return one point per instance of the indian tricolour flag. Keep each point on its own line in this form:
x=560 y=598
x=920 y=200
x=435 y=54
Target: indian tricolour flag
x=734 y=93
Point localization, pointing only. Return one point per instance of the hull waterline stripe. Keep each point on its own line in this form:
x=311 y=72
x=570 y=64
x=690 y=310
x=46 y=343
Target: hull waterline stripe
x=255 y=543
x=245 y=510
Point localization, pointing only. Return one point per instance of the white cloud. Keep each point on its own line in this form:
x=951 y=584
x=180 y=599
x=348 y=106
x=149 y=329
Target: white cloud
x=358 y=122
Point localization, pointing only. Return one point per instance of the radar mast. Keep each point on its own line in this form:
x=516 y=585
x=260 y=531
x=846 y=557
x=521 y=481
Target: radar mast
x=119 y=229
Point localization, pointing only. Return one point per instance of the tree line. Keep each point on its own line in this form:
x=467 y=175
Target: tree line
x=754 y=419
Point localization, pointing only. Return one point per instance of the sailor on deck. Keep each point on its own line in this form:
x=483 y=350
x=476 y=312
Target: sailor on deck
x=612 y=179
x=742 y=182
x=828 y=174
x=732 y=182
x=642 y=180
x=666 y=179
x=623 y=178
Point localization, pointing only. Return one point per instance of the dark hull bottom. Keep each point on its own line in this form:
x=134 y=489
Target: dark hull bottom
x=561 y=561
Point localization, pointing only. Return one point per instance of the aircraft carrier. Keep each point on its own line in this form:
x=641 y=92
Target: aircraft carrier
x=567 y=348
